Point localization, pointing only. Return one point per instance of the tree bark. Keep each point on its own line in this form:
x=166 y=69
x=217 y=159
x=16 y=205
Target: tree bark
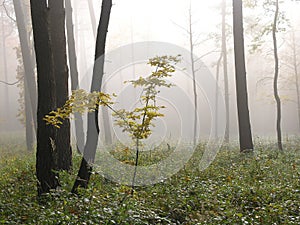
x=29 y=78
x=79 y=133
x=47 y=178
x=276 y=74
x=225 y=71
x=63 y=156
x=85 y=169
x=245 y=136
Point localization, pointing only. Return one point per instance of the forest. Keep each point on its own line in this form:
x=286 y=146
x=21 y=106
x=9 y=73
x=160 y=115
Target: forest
x=149 y=112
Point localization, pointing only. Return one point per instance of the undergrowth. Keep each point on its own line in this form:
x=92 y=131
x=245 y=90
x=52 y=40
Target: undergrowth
x=257 y=188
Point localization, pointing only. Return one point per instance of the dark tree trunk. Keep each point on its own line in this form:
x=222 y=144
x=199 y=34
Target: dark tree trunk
x=79 y=133
x=29 y=79
x=245 y=135
x=225 y=70
x=85 y=169
x=47 y=178
x=63 y=156
x=276 y=74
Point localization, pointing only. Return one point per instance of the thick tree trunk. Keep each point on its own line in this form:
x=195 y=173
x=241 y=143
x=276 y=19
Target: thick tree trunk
x=225 y=70
x=29 y=79
x=85 y=169
x=47 y=178
x=245 y=135
x=275 y=83
x=79 y=133
x=58 y=41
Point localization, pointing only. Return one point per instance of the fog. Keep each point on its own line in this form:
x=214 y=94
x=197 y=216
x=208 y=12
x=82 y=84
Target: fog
x=166 y=21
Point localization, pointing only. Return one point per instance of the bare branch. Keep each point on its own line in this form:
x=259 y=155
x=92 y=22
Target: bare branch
x=11 y=84
x=6 y=11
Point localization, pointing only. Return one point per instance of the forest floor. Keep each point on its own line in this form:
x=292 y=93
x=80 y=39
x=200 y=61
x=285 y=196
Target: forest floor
x=254 y=188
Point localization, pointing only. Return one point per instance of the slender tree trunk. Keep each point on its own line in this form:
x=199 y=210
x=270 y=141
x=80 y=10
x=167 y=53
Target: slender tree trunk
x=276 y=74
x=245 y=135
x=217 y=95
x=29 y=79
x=295 y=59
x=194 y=75
x=79 y=133
x=106 y=125
x=92 y=16
x=225 y=70
x=6 y=96
x=47 y=178
x=85 y=169
x=58 y=40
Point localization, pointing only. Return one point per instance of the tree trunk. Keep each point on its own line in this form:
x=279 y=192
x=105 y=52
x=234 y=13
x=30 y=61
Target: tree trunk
x=190 y=31
x=63 y=156
x=6 y=95
x=29 y=79
x=85 y=169
x=275 y=83
x=92 y=16
x=225 y=71
x=79 y=133
x=217 y=95
x=245 y=135
x=295 y=62
x=47 y=178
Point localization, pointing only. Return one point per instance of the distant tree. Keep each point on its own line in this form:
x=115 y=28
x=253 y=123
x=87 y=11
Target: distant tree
x=6 y=31
x=245 y=135
x=79 y=133
x=276 y=74
x=63 y=153
x=93 y=131
x=291 y=62
x=92 y=16
x=193 y=61
x=29 y=76
x=225 y=70
x=47 y=177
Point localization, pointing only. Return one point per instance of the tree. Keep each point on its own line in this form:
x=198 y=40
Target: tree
x=5 y=35
x=225 y=70
x=79 y=133
x=245 y=136
x=192 y=45
x=29 y=78
x=63 y=156
x=93 y=131
x=291 y=62
x=276 y=74
x=47 y=178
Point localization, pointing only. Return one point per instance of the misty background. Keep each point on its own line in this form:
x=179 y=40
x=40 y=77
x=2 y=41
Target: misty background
x=166 y=21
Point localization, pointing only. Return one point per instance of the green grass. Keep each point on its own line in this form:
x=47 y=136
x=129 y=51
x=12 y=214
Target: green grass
x=259 y=188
